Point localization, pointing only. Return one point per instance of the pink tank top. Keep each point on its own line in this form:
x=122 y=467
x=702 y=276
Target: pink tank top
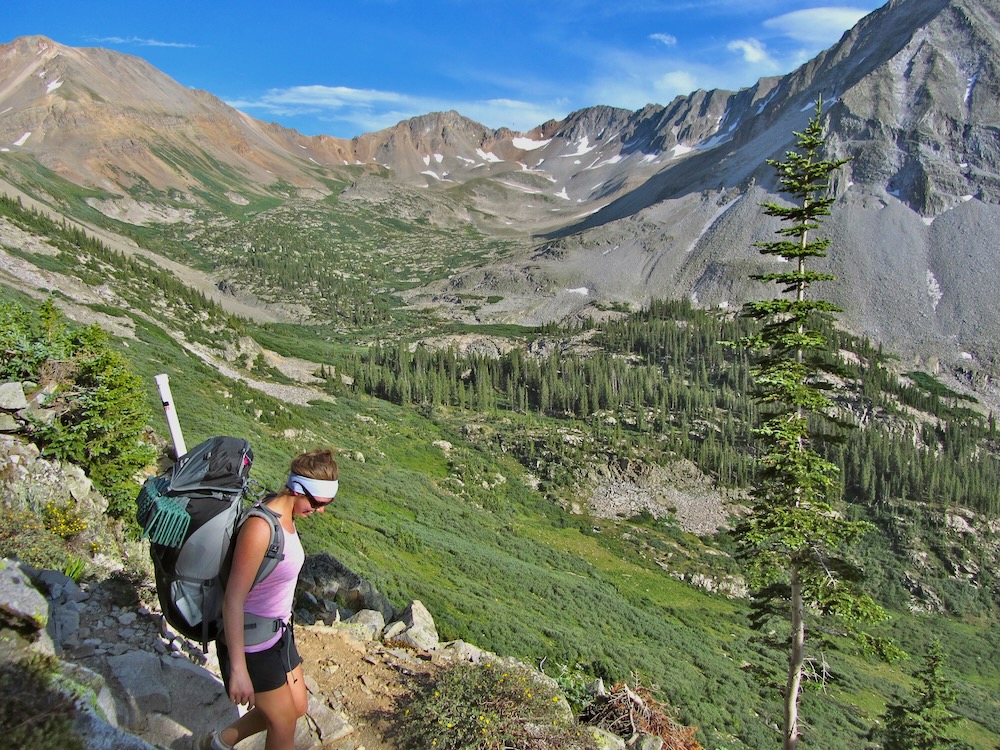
x=273 y=597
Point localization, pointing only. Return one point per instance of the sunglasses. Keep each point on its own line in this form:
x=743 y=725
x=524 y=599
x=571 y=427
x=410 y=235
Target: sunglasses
x=316 y=504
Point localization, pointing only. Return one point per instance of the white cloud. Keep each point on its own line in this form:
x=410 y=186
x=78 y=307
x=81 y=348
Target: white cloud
x=370 y=109
x=676 y=82
x=141 y=42
x=667 y=39
x=752 y=50
x=816 y=26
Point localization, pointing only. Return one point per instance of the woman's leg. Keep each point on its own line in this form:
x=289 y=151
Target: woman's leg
x=256 y=720
x=297 y=683
x=250 y=723
x=275 y=712
x=281 y=710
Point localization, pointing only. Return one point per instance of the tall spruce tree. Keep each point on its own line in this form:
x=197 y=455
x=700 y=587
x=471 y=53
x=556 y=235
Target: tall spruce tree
x=924 y=722
x=793 y=540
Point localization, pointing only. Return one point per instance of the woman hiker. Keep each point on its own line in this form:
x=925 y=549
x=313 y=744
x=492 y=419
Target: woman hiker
x=268 y=678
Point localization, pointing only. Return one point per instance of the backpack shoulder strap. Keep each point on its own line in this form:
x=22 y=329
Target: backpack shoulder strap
x=276 y=547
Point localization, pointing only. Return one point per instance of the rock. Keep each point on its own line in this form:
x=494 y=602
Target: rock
x=12 y=397
x=78 y=484
x=22 y=607
x=200 y=701
x=142 y=691
x=97 y=734
x=325 y=577
x=369 y=619
x=645 y=741
x=64 y=623
x=8 y=423
x=459 y=649
x=329 y=725
x=392 y=630
x=606 y=740
x=420 y=631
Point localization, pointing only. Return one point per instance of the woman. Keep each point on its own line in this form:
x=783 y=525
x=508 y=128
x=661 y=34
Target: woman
x=268 y=677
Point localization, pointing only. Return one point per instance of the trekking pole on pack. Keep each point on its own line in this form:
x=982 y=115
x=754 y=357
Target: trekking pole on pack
x=163 y=386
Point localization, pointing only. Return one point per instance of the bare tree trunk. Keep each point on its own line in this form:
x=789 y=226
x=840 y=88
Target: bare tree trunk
x=795 y=661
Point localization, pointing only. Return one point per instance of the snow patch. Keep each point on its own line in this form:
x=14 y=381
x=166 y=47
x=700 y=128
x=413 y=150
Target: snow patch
x=582 y=147
x=439 y=158
x=427 y=161
x=966 y=198
x=527 y=144
x=966 y=355
x=488 y=156
x=613 y=160
x=971 y=86
x=763 y=104
x=521 y=188
x=679 y=150
x=715 y=140
x=53 y=86
x=827 y=103
x=649 y=158
x=579 y=290
x=21 y=141
x=934 y=289
x=562 y=194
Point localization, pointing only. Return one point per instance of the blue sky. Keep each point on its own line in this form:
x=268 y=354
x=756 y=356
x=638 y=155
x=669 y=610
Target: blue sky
x=345 y=68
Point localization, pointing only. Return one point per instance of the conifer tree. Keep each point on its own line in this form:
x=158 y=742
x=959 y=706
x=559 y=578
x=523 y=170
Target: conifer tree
x=793 y=539
x=925 y=722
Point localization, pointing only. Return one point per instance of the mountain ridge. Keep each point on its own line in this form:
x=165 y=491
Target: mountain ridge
x=910 y=92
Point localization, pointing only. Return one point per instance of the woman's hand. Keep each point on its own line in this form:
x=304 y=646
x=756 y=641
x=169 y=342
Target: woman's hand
x=240 y=687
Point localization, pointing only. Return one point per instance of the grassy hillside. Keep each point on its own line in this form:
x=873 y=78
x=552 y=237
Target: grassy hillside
x=479 y=533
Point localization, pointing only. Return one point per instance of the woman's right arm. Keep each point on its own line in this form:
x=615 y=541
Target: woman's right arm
x=251 y=545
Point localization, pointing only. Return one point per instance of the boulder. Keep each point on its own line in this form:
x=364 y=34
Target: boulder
x=138 y=675
x=22 y=607
x=323 y=577
x=419 y=631
x=370 y=620
x=12 y=397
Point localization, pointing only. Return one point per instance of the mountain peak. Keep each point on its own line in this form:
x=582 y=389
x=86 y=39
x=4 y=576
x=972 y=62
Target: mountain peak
x=670 y=191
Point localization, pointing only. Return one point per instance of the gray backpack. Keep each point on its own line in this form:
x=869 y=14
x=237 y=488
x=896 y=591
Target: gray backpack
x=191 y=514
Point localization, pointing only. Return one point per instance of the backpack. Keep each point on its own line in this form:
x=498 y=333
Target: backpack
x=191 y=514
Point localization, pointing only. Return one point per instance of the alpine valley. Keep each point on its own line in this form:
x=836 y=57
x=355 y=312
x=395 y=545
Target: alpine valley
x=515 y=341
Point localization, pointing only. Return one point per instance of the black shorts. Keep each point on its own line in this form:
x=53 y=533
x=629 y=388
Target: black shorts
x=268 y=669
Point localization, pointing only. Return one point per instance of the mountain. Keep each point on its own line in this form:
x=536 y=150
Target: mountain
x=612 y=206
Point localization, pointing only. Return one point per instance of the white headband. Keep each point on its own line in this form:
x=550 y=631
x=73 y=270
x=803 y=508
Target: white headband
x=318 y=487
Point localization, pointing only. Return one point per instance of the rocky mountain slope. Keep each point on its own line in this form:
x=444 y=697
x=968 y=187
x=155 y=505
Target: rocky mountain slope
x=620 y=206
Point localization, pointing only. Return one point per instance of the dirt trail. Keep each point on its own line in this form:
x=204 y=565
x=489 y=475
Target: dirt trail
x=365 y=679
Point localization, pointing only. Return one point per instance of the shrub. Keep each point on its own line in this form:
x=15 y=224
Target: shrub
x=99 y=402
x=488 y=707
x=34 y=713
x=63 y=520
x=23 y=536
x=626 y=710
